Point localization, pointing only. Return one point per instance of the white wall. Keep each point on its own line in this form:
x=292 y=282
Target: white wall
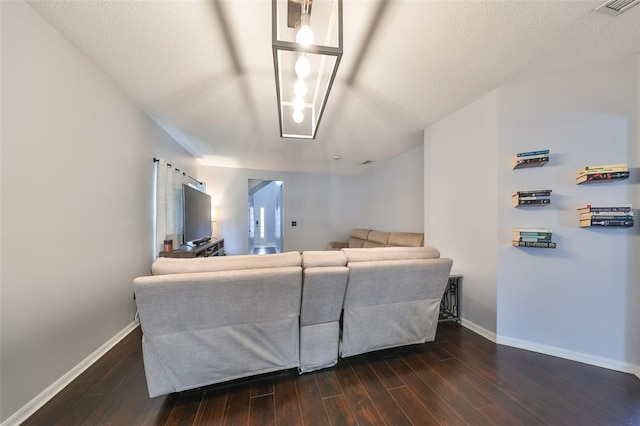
x=572 y=298
x=460 y=204
x=315 y=201
x=326 y=207
x=579 y=301
x=632 y=321
x=76 y=173
x=391 y=194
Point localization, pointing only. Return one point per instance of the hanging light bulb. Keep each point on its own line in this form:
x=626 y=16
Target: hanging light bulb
x=298 y=116
x=300 y=88
x=298 y=104
x=305 y=36
x=303 y=67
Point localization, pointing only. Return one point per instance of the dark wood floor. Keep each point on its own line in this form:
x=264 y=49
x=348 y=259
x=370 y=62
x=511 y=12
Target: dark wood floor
x=460 y=379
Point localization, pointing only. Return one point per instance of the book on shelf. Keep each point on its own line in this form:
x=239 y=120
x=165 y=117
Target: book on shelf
x=581 y=173
x=533 y=153
x=519 y=162
x=516 y=202
x=605 y=222
x=602 y=177
x=531 y=235
x=525 y=234
x=602 y=169
x=533 y=230
x=604 y=209
x=538 y=239
x=607 y=215
x=532 y=157
x=532 y=193
x=534 y=240
x=547 y=244
x=535 y=197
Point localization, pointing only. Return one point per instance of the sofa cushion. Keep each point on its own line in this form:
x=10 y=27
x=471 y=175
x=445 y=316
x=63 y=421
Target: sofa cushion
x=358 y=237
x=390 y=253
x=312 y=259
x=166 y=265
x=360 y=233
x=377 y=239
x=406 y=239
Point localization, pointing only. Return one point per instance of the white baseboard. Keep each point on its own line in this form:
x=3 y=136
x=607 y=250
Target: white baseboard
x=36 y=403
x=570 y=355
x=479 y=330
x=553 y=351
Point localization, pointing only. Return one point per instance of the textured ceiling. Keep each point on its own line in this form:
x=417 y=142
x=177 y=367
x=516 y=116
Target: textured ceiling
x=204 y=70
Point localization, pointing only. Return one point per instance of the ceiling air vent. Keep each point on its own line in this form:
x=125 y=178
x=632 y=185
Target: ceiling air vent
x=616 y=7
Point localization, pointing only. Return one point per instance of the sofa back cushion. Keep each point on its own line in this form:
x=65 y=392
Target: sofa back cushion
x=390 y=253
x=377 y=239
x=406 y=239
x=323 y=258
x=358 y=237
x=165 y=265
x=173 y=303
x=382 y=282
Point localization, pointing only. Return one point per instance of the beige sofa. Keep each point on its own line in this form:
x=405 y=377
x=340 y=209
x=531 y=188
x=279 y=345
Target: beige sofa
x=210 y=320
x=367 y=238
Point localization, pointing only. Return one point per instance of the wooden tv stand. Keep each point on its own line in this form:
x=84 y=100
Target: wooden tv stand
x=212 y=248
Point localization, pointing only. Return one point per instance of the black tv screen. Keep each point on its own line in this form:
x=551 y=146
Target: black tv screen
x=196 y=215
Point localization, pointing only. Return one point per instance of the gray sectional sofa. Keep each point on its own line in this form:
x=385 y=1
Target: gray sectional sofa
x=210 y=320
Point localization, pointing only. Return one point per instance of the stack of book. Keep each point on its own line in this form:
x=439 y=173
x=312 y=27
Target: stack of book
x=533 y=237
x=530 y=159
x=602 y=173
x=535 y=197
x=620 y=216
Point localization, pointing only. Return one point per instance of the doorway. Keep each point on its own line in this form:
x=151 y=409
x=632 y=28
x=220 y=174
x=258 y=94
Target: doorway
x=266 y=216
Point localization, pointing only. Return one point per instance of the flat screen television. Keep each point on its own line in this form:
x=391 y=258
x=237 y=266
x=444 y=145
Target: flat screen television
x=196 y=216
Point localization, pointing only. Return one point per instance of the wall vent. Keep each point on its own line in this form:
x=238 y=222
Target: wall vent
x=616 y=7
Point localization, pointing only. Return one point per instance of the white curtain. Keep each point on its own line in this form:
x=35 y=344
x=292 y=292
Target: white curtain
x=169 y=181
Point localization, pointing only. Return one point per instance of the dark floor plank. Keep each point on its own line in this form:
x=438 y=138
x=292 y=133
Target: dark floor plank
x=446 y=391
x=262 y=386
x=544 y=403
x=287 y=406
x=185 y=409
x=356 y=395
x=328 y=383
x=311 y=405
x=385 y=373
x=413 y=408
x=386 y=406
x=500 y=416
x=439 y=408
x=594 y=401
x=211 y=409
x=236 y=411
x=448 y=375
x=262 y=411
x=338 y=411
x=494 y=393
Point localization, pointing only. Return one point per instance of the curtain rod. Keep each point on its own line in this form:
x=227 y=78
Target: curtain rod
x=155 y=160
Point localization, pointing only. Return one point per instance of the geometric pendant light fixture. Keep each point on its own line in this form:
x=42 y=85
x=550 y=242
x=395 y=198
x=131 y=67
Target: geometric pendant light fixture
x=307 y=48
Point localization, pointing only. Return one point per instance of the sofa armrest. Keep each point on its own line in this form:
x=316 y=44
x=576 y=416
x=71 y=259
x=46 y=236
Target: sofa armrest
x=338 y=245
